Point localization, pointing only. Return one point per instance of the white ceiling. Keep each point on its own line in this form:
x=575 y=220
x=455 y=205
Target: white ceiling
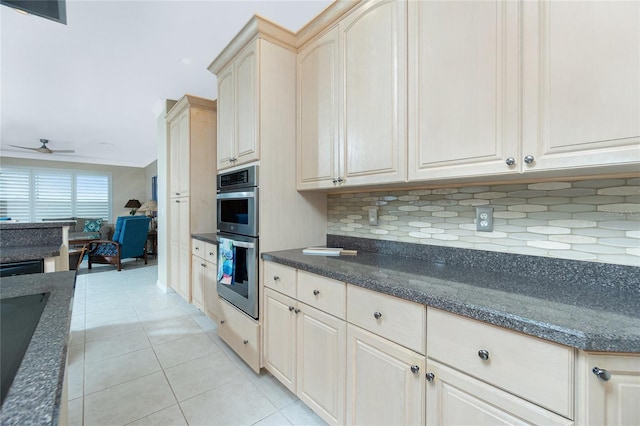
x=96 y=84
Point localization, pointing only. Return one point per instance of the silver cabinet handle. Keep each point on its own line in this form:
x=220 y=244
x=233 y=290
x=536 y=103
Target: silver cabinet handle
x=291 y=308
x=297 y=311
x=377 y=315
x=316 y=292
x=244 y=342
x=510 y=161
x=177 y=193
x=243 y=244
x=483 y=354
x=601 y=374
x=415 y=369
x=529 y=159
x=431 y=377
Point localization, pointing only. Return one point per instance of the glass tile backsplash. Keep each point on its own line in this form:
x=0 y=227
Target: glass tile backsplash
x=593 y=220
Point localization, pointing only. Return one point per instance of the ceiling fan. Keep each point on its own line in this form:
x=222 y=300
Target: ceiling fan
x=43 y=149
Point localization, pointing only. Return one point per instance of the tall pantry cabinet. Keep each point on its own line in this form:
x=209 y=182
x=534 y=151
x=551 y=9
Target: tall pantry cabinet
x=191 y=183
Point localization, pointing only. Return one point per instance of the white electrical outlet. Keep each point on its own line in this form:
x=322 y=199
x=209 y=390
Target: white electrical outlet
x=484 y=219
x=373 y=217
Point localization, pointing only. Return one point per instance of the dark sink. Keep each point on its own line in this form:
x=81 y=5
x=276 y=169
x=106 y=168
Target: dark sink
x=19 y=318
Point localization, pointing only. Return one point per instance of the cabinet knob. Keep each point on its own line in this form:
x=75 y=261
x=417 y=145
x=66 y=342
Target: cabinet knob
x=510 y=161
x=276 y=278
x=431 y=377
x=197 y=248
x=529 y=159
x=221 y=322
x=334 y=180
x=297 y=311
x=177 y=201
x=203 y=265
x=483 y=354
x=291 y=308
x=177 y=193
x=316 y=292
x=210 y=253
x=340 y=180
x=415 y=369
x=377 y=315
x=244 y=342
x=601 y=374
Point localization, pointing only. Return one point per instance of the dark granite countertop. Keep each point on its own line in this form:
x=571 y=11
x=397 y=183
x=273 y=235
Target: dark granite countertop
x=582 y=314
x=18 y=254
x=207 y=238
x=34 y=225
x=35 y=394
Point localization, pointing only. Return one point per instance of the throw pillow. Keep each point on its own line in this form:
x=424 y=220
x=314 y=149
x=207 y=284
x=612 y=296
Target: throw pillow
x=92 y=225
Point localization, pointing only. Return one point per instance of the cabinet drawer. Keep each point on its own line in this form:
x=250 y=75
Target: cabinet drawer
x=280 y=278
x=211 y=253
x=534 y=369
x=197 y=248
x=241 y=333
x=322 y=293
x=398 y=320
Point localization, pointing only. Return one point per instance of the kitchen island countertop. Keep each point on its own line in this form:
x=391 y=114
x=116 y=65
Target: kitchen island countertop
x=582 y=315
x=36 y=392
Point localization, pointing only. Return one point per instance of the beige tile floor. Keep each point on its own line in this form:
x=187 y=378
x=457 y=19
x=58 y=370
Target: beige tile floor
x=139 y=356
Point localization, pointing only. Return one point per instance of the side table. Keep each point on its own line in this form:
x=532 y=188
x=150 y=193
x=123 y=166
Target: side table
x=152 y=240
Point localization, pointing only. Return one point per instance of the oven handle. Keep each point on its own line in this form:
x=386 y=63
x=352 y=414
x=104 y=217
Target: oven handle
x=224 y=196
x=243 y=244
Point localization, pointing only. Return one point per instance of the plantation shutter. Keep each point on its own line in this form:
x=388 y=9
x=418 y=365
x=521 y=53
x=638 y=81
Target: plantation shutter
x=14 y=194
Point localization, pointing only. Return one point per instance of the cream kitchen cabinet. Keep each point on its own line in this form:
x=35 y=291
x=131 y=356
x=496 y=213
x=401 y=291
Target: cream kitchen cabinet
x=502 y=359
x=608 y=389
x=241 y=333
x=237 y=105
x=485 y=100
x=454 y=398
x=304 y=346
x=351 y=100
x=180 y=247
x=192 y=206
x=385 y=381
x=204 y=294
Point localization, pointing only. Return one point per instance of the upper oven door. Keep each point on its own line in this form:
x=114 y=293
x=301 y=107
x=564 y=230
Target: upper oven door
x=238 y=212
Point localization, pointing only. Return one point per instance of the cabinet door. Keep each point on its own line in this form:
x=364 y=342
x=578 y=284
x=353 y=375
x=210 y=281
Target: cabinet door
x=322 y=363
x=463 y=88
x=581 y=88
x=280 y=337
x=183 y=159
x=173 y=160
x=197 y=281
x=614 y=401
x=226 y=117
x=179 y=247
x=381 y=387
x=454 y=398
x=318 y=112
x=211 y=299
x=374 y=43
x=246 y=84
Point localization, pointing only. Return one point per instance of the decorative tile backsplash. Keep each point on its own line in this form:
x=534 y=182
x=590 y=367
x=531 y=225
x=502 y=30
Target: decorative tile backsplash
x=592 y=220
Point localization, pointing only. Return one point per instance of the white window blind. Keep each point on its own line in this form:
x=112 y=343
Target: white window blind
x=14 y=194
x=34 y=194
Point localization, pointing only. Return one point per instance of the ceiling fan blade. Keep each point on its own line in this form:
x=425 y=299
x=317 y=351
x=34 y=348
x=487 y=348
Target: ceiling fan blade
x=25 y=147
x=67 y=151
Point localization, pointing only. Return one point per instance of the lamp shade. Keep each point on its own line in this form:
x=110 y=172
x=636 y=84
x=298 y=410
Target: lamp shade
x=149 y=206
x=132 y=204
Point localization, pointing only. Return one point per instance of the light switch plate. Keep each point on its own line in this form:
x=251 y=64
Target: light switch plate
x=373 y=217
x=484 y=219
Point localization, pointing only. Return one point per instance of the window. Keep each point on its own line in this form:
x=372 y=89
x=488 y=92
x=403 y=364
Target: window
x=30 y=195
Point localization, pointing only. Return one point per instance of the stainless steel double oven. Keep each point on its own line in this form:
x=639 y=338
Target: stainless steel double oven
x=237 y=199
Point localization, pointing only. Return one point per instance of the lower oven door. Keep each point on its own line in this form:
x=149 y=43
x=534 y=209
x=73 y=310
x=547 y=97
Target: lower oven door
x=238 y=272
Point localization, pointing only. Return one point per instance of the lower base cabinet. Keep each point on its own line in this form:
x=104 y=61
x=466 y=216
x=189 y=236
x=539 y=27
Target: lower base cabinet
x=608 y=389
x=241 y=333
x=305 y=350
x=454 y=398
x=385 y=381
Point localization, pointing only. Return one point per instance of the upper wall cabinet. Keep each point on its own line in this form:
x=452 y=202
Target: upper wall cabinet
x=480 y=105
x=463 y=88
x=351 y=100
x=237 y=108
x=581 y=83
